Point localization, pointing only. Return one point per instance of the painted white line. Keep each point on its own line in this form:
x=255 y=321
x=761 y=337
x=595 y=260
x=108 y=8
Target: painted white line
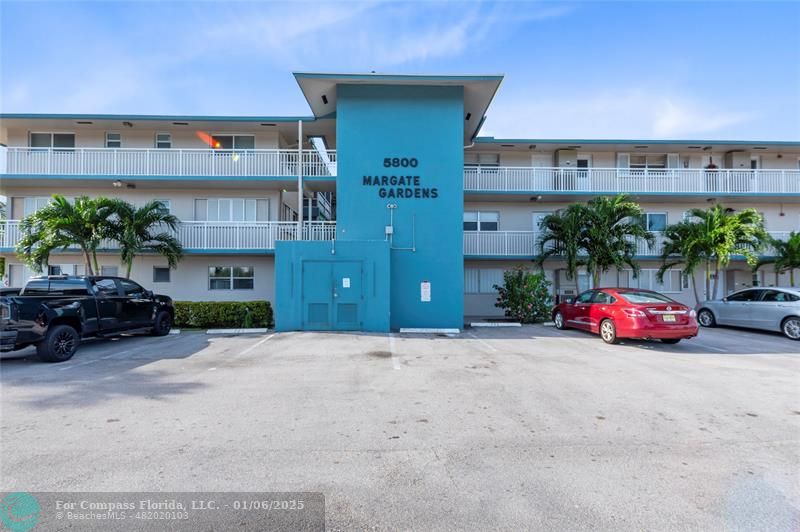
x=422 y=330
x=477 y=324
x=174 y=331
x=484 y=343
x=395 y=361
x=254 y=346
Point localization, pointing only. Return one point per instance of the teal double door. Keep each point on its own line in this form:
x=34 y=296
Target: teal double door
x=332 y=295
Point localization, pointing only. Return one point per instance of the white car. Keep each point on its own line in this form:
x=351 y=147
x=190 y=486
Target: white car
x=771 y=309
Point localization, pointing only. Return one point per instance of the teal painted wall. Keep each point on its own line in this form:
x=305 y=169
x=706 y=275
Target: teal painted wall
x=370 y=290
x=406 y=122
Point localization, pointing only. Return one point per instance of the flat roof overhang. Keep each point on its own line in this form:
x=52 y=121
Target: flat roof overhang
x=319 y=90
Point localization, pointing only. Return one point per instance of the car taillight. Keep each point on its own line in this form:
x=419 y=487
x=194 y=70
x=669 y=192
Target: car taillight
x=634 y=313
x=5 y=312
x=692 y=314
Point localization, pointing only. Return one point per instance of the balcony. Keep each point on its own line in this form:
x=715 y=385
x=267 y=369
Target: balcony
x=615 y=180
x=209 y=237
x=524 y=244
x=165 y=162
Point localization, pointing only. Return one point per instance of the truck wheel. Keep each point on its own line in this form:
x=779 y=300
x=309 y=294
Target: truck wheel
x=162 y=324
x=59 y=344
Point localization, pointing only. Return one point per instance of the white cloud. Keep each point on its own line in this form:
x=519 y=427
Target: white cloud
x=622 y=113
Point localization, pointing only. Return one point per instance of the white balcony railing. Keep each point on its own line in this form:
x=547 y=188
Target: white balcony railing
x=525 y=244
x=210 y=236
x=615 y=180
x=165 y=162
x=259 y=236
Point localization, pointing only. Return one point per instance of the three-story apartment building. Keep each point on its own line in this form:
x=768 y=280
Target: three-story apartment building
x=383 y=209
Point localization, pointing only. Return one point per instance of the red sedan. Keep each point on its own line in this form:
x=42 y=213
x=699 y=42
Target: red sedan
x=617 y=313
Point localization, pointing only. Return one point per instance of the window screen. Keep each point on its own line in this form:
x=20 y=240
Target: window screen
x=161 y=274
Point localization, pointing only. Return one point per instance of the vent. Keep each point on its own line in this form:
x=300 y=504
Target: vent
x=346 y=313
x=759 y=148
x=574 y=147
x=469 y=115
x=694 y=147
x=324 y=99
x=84 y=122
x=641 y=147
x=180 y=123
x=507 y=145
x=267 y=124
x=318 y=313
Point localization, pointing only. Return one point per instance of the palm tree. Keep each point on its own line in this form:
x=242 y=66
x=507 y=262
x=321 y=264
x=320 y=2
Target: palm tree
x=786 y=257
x=683 y=246
x=145 y=229
x=612 y=228
x=560 y=237
x=722 y=232
x=61 y=225
x=599 y=235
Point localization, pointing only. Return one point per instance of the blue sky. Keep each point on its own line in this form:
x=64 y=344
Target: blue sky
x=728 y=70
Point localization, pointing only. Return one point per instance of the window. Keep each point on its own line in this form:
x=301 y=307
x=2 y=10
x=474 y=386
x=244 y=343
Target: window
x=648 y=280
x=482 y=159
x=31 y=205
x=52 y=140
x=106 y=287
x=481 y=221
x=644 y=297
x=164 y=141
x=113 y=140
x=110 y=271
x=648 y=162
x=36 y=287
x=602 y=298
x=230 y=277
x=167 y=204
x=778 y=296
x=54 y=270
x=745 y=295
x=234 y=142
x=68 y=287
x=232 y=210
x=585 y=297
x=161 y=274
x=482 y=281
x=131 y=289
x=655 y=221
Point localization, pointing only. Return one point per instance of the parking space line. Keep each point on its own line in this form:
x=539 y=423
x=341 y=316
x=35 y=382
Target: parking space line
x=260 y=342
x=484 y=343
x=395 y=361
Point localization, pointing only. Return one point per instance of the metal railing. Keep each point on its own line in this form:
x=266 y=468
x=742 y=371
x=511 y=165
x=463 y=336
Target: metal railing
x=614 y=180
x=210 y=236
x=165 y=162
x=525 y=244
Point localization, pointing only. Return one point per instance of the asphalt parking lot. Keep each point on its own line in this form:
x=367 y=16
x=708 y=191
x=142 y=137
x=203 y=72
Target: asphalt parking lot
x=528 y=428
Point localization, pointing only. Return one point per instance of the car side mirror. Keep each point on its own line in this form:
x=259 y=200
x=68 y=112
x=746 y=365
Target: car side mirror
x=724 y=299
x=569 y=301
x=148 y=294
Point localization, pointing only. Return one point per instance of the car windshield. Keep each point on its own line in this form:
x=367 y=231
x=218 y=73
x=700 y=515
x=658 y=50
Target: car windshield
x=638 y=297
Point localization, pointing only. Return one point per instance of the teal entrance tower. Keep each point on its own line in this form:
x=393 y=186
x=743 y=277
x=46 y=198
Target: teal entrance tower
x=397 y=261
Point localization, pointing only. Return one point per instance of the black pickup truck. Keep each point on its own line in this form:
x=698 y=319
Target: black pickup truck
x=55 y=313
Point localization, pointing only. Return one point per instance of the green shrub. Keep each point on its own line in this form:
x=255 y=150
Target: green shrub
x=525 y=295
x=227 y=314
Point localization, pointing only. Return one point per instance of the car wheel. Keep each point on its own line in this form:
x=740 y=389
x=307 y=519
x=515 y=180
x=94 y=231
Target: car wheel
x=558 y=319
x=791 y=327
x=608 y=331
x=59 y=344
x=670 y=340
x=706 y=318
x=162 y=324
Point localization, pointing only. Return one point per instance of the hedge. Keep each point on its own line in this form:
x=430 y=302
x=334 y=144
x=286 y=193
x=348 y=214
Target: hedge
x=229 y=314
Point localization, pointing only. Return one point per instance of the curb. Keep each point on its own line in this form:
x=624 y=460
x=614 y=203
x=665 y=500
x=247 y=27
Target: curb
x=237 y=331
x=422 y=330
x=495 y=324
